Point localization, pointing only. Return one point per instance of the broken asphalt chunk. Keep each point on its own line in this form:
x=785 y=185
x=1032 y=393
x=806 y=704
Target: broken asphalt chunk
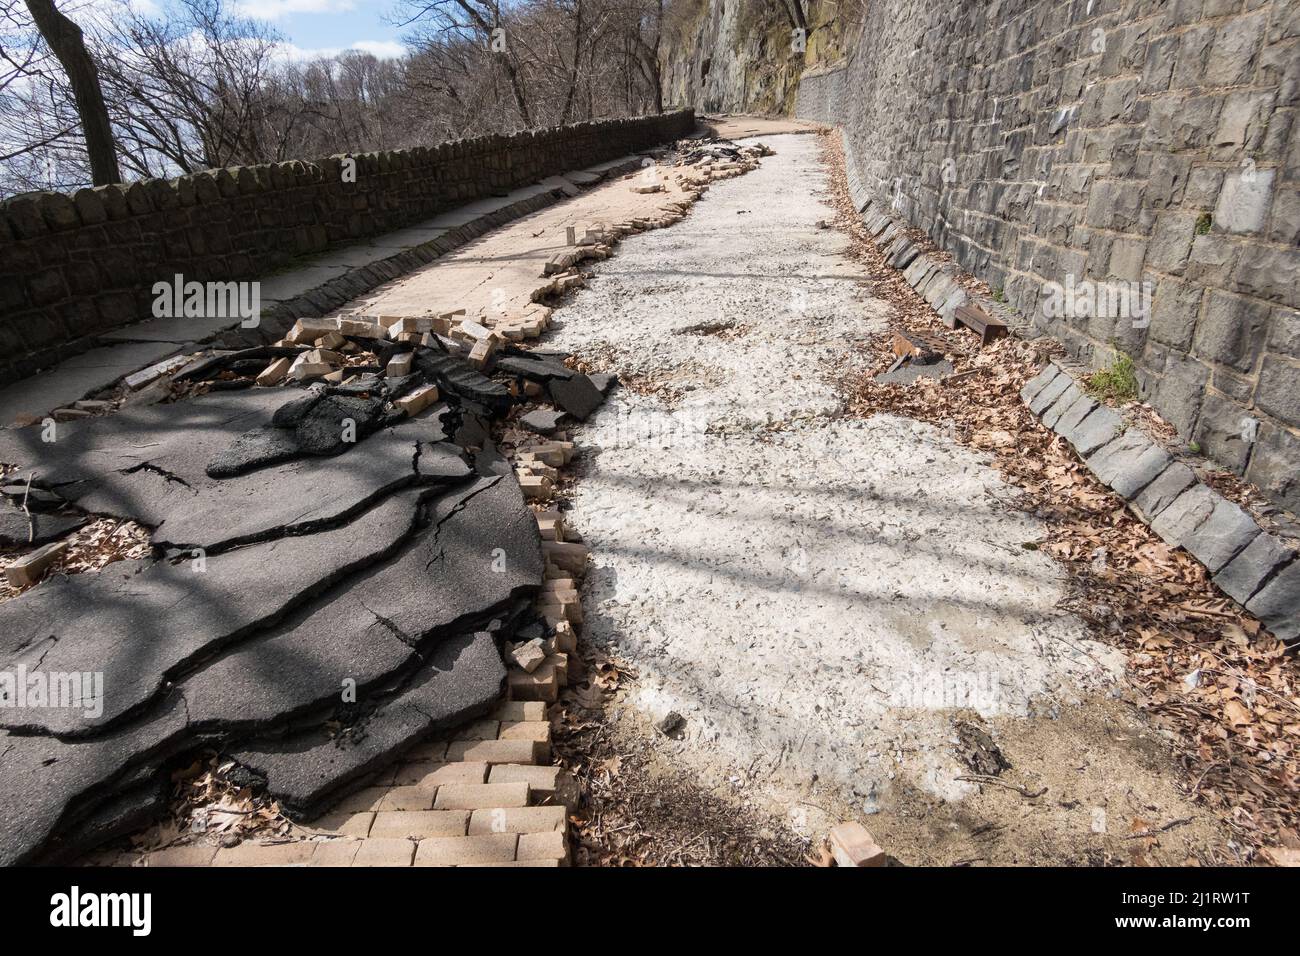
x=576 y=395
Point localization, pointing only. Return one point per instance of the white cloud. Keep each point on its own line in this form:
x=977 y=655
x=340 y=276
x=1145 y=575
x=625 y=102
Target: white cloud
x=279 y=9
x=381 y=49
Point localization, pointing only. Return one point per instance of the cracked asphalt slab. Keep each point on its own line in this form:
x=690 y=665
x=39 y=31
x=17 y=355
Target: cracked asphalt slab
x=373 y=567
x=823 y=598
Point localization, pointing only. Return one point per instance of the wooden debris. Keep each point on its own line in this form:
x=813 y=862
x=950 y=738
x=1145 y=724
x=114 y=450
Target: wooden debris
x=30 y=568
x=987 y=326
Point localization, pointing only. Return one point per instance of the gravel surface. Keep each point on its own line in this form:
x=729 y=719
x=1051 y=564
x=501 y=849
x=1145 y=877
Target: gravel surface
x=816 y=595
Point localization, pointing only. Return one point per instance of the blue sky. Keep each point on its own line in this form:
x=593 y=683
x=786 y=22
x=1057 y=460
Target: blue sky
x=327 y=26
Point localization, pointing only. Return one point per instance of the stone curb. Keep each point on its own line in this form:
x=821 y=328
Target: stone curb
x=934 y=279
x=1256 y=569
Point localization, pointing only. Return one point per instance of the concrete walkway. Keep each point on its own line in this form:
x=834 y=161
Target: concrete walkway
x=821 y=598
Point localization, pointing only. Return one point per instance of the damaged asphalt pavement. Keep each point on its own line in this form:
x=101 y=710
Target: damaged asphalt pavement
x=356 y=534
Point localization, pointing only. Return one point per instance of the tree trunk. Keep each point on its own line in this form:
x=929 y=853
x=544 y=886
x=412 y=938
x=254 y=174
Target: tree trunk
x=794 y=10
x=65 y=40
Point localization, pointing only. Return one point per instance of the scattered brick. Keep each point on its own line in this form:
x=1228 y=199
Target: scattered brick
x=344 y=824
x=266 y=854
x=543 y=846
x=382 y=851
x=335 y=852
x=852 y=845
x=493 y=751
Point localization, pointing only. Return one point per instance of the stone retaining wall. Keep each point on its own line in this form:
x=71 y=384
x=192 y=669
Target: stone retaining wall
x=72 y=267
x=1108 y=141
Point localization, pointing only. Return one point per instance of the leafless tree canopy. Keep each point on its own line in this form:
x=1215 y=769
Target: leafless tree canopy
x=200 y=86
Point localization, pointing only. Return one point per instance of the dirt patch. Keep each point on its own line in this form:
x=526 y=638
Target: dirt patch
x=638 y=807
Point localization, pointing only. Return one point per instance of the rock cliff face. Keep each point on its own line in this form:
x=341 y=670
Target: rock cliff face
x=731 y=56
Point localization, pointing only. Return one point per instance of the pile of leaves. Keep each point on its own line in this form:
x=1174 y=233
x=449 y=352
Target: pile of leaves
x=207 y=807
x=1203 y=669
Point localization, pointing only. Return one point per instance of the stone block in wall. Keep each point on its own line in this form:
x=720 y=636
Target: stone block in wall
x=1171 y=241
x=1243 y=123
x=1180 y=391
x=1278 y=392
x=1175 y=307
x=1232 y=54
x=1269 y=273
x=1284 y=332
x=1222 y=431
x=1244 y=201
x=1213 y=259
x=1231 y=330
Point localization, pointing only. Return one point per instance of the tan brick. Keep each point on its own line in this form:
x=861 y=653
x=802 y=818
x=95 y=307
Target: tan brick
x=344 y=824
x=266 y=854
x=474 y=796
x=561 y=664
x=479 y=730
x=468 y=771
x=409 y=774
x=417 y=797
x=541 y=684
x=454 y=851
x=418 y=824
x=518 y=820
x=540 y=780
x=182 y=856
x=365 y=799
x=383 y=851
x=543 y=846
x=493 y=751
x=538 y=731
x=429 y=750
x=335 y=852
x=852 y=845
x=517 y=710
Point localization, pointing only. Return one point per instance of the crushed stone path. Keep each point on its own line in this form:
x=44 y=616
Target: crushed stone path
x=824 y=599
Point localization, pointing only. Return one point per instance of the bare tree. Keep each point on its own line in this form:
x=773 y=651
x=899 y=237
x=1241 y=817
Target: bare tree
x=65 y=39
x=481 y=24
x=187 y=92
x=199 y=85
